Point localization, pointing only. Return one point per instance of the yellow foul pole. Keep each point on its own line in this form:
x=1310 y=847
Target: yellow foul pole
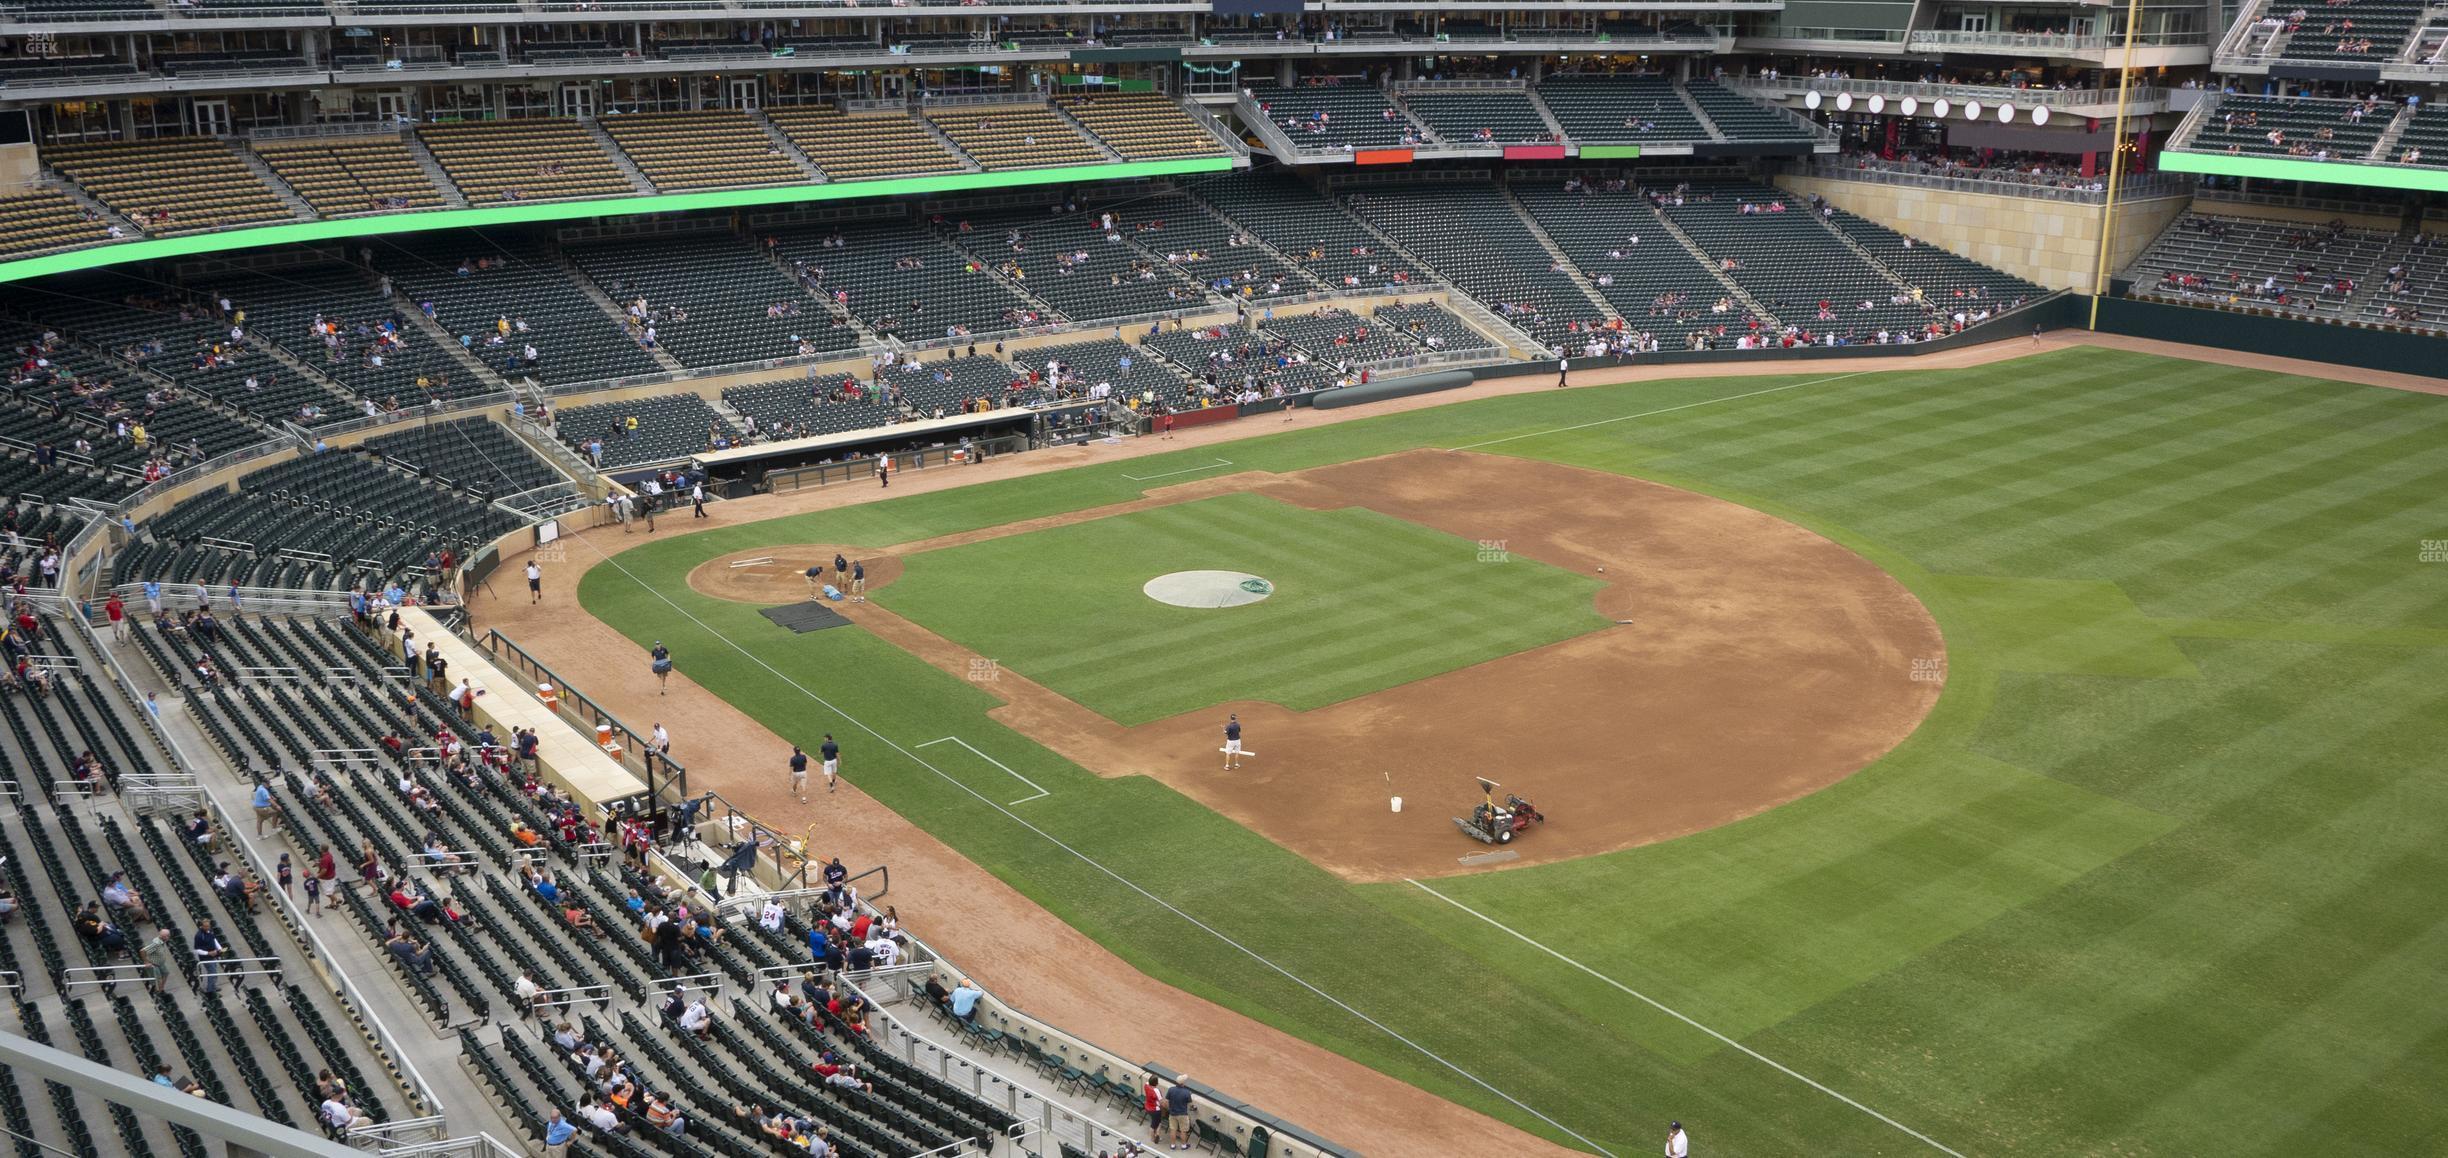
x=2116 y=159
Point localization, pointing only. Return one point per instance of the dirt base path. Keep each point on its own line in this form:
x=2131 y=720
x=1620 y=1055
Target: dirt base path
x=1760 y=663
x=1027 y=955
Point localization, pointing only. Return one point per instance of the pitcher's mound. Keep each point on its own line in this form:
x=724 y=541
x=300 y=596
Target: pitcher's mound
x=1206 y=589
x=771 y=575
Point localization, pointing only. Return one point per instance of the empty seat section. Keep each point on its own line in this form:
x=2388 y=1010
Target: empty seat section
x=1625 y=109
x=1015 y=136
x=335 y=319
x=646 y=430
x=1742 y=119
x=472 y=453
x=857 y=146
x=170 y=184
x=698 y=150
x=1479 y=116
x=1791 y=262
x=352 y=176
x=524 y=160
x=41 y=220
x=1470 y=234
x=1334 y=116
x=1142 y=126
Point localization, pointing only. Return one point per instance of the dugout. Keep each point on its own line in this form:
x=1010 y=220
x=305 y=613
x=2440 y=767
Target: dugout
x=851 y=454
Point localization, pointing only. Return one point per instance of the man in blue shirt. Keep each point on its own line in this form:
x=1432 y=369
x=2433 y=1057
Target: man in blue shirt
x=557 y=1134
x=820 y=950
x=546 y=889
x=1232 y=743
x=263 y=807
x=965 y=999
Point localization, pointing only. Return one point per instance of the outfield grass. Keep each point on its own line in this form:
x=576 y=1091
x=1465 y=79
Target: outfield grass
x=1362 y=602
x=2161 y=874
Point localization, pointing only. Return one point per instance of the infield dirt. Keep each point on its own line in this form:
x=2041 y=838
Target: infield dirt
x=1753 y=662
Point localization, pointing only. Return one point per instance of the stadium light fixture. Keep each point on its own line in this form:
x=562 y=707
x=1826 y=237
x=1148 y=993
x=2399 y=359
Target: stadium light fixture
x=2040 y=115
x=1972 y=110
x=1878 y=104
x=1938 y=108
x=2006 y=114
x=1811 y=99
x=1844 y=102
x=1912 y=105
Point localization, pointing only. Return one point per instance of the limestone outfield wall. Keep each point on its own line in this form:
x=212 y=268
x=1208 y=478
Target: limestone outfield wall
x=2054 y=243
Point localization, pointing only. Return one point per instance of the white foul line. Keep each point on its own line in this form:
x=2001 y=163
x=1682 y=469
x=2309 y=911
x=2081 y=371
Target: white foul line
x=1100 y=866
x=991 y=760
x=1660 y=410
x=1186 y=470
x=1772 y=1063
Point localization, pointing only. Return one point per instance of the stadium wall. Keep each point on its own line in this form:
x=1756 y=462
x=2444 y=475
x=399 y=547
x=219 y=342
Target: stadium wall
x=2278 y=337
x=2054 y=243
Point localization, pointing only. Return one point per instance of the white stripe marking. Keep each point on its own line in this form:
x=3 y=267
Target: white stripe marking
x=1652 y=1002
x=991 y=760
x=1660 y=410
x=1185 y=470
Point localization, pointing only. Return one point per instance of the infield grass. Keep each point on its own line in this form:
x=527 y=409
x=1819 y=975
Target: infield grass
x=2162 y=874
x=1362 y=602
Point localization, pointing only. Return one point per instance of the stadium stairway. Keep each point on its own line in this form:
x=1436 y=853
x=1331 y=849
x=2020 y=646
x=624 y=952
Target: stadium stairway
x=448 y=343
x=620 y=160
x=789 y=148
x=288 y=196
x=1064 y=115
x=579 y=281
x=1868 y=258
x=1700 y=255
x=451 y=196
x=1563 y=260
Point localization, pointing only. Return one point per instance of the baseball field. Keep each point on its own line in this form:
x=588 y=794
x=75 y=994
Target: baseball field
x=2047 y=757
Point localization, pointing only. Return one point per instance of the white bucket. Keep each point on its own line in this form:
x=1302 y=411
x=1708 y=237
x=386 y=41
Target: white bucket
x=1398 y=804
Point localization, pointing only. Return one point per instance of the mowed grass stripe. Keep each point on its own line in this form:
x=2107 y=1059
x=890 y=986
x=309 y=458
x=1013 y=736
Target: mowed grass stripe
x=1819 y=450
x=2015 y=483
x=2074 y=440
x=2226 y=527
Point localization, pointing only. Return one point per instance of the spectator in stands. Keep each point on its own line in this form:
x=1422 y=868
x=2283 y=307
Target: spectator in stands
x=8 y=899
x=557 y=1134
x=530 y=992
x=121 y=899
x=698 y=1019
x=96 y=930
x=210 y=950
x=199 y=831
x=161 y=952
x=601 y=1116
x=965 y=1000
x=411 y=952
x=264 y=812
x=1180 y=1111
x=340 y=1117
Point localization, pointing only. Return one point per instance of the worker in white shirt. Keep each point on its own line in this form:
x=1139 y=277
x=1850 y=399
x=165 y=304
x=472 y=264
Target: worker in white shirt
x=1678 y=1144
